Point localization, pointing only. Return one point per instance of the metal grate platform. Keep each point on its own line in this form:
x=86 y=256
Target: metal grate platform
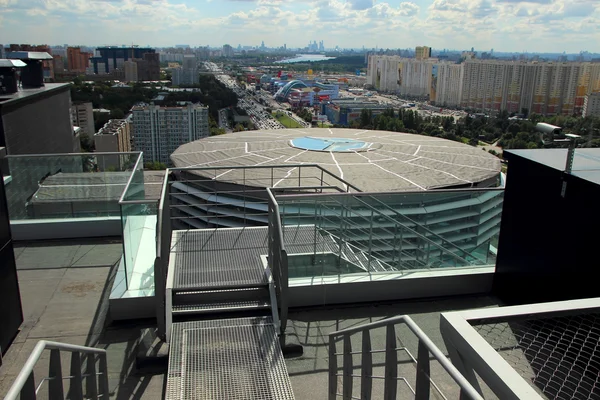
x=558 y=356
x=227 y=359
x=230 y=258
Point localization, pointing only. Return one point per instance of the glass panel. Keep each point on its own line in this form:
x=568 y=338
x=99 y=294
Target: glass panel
x=67 y=186
x=390 y=232
x=139 y=243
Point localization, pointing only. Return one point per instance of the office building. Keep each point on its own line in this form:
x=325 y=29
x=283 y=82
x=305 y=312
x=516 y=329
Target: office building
x=422 y=52
x=131 y=71
x=77 y=60
x=82 y=115
x=159 y=131
x=591 y=105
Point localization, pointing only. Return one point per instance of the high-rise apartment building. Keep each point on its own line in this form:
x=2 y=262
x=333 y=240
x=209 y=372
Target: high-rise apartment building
x=591 y=105
x=82 y=116
x=188 y=73
x=159 y=131
x=148 y=68
x=422 y=52
x=405 y=76
x=77 y=60
x=227 y=50
x=131 y=71
x=113 y=137
x=546 y=88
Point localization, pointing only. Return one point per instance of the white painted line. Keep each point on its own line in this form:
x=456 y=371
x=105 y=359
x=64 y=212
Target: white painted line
x=339 y=168
x=399 y=176
x=285 y=177
x=330 y=131
x=295 y=155
x=416 y=151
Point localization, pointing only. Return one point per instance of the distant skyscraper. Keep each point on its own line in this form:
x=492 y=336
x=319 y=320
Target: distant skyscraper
x=262 y=44
x=159 y=131
x=77 y=61
x=2 y=51
x=187 y=74
x=227 y=51
x=131 y=71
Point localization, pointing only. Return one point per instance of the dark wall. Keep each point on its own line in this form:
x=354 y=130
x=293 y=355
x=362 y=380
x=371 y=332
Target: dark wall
x=11 y=313
x=39 y=125
x=548 y=247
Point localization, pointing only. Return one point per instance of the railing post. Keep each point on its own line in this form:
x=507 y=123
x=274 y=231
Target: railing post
x=76 y=389
x=91 y=382
x=422 y=387
x=366 y=375
x=28 y=391
x=347 y=382
x=333 y=379
x=55 y=386
x=391 y=364
x=103 y=369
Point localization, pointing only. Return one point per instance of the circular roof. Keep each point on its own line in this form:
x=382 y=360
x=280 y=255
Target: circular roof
x=374 y=161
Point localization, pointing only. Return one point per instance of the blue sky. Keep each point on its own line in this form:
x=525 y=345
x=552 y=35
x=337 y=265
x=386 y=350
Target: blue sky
x=504 y=25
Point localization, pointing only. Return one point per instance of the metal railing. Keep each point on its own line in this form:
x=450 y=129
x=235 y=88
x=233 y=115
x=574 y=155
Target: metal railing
x=390 y=377
x=161 y=262
x=96 y=380
x=278 y=264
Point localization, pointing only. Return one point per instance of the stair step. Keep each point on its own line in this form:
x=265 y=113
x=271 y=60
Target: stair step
x=220 y=307
x=193 y=297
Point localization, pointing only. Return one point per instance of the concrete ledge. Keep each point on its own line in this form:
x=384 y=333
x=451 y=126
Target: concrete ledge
x=364 y=288
x=65 y=228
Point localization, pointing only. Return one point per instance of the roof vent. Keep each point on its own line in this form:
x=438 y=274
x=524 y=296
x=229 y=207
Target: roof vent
x=32 y=75
x=8 y=76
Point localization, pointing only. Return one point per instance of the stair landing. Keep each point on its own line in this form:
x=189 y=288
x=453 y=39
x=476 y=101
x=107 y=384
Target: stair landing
x=238 y=358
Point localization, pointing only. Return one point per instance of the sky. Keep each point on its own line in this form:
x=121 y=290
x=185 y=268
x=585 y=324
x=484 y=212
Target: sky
x=503 y=25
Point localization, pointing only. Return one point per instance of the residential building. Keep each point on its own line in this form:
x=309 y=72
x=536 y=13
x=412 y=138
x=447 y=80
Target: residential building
x=148 y=68
x=591 y=105
x=82 y=115
x=449 y=87
x=113 y=137
x=405 y=76
x=106 y=60
x=227 y=51
x=59 y=64
x=188 y=73
x=159 y=131
x=422 y=52
x=77 y=61
x=2 y=51
x=131 y=71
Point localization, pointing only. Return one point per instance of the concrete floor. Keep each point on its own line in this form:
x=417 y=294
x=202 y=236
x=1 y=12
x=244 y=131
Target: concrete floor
x=310 y=328
x=65 y=286
x=64 y=291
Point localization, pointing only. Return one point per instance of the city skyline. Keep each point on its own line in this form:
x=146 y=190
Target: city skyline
x=505 y=25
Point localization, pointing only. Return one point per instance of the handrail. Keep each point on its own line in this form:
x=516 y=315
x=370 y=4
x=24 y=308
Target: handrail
x=423 y=379
x=105 y=153
x=161 y=262
x=271 y=166
x=24 y=385
x=133 y=171
x=426 y=239
x=277 y=260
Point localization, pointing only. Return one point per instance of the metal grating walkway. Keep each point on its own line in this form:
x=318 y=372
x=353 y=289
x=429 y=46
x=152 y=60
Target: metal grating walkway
x=227 y=359
x=228 y=258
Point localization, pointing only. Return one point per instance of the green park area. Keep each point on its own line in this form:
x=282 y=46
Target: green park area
x=285 y=120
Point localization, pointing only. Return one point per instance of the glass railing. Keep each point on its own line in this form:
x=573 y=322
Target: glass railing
x=66 y=186
x=362 y=232
x=138 y=220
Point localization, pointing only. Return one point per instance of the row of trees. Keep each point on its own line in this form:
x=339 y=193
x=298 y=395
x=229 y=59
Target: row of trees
x=508 y=133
